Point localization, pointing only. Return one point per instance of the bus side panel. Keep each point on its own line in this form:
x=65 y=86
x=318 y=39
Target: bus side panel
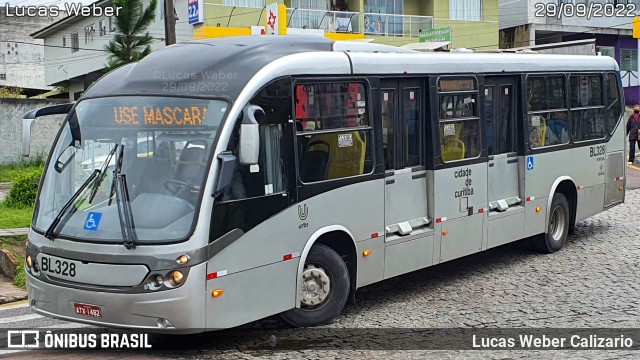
x=251 y=295
x=463 y=237
x=260 y=255
x=590 y=201
x=534 y=221
x=408 y=256
x=580 y=164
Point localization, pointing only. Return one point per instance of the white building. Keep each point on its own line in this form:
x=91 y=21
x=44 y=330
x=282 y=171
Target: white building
x=609 y=22
x=74 y=46
x=21 y=57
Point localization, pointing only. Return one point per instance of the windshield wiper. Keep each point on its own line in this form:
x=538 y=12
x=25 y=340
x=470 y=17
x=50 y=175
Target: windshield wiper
x=125 y=214
x=103 y=173
x=50 y=233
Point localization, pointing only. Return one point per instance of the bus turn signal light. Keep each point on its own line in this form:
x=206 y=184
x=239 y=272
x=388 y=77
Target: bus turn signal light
x=29 y=261
x=366 y=252
x=216 y=292
x=538 y=208
x=445 y=232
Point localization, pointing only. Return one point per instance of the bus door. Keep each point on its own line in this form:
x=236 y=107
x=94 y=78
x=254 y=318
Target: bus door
x=501 y=119
x=402 y=112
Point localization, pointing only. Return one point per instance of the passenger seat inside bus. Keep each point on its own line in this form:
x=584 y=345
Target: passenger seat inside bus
x=452 y=147
x=191 y=164
x=314 y=162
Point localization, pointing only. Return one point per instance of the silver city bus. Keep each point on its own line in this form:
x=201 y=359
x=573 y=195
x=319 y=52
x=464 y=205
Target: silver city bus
x=281 y=174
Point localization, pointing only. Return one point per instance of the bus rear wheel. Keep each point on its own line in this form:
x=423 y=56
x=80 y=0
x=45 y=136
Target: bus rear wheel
x=324 y=289
x=557 y=228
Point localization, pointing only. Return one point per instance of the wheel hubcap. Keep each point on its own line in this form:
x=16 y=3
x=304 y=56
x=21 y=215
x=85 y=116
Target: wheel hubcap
x=557 y=223
x=316 y=285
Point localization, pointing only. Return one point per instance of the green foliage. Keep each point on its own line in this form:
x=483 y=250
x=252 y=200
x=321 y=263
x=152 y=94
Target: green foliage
x=24 y=189
x=10 y=92
x=19 y=279
x=11 y=172
x=131 y=43
x=15 y=217
x=14 y=240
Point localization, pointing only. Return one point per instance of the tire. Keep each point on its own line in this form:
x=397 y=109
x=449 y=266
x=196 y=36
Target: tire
x=557 y=227
x=316 y=307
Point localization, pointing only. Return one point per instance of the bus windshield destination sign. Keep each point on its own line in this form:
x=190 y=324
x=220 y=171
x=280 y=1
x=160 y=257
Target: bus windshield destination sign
x=156 y=115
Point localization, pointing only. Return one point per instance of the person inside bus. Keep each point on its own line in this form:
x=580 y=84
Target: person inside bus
x=633 y=130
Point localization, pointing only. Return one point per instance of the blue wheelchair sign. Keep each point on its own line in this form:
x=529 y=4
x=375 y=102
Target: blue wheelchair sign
x=529 y=162
x=93 y=221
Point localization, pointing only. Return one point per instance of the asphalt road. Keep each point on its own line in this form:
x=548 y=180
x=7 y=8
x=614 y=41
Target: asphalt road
x=591 y=283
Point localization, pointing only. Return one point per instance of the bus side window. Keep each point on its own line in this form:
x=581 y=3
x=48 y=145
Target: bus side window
x=334 y=133
x=614 y=102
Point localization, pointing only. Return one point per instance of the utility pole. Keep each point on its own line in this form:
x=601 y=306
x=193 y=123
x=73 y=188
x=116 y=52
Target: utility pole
x=169 y=23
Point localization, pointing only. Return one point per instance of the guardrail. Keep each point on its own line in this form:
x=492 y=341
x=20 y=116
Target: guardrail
x=396 y=25
x=327 y=20
x=330 y=21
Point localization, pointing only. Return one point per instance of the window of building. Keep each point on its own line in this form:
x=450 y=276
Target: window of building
x=547 y=111
x=75 y=42
x=459 y=121
x=606 y=51
x=88 y=33
x=102 y=28
x=470 y=10
x=64 y=41
x=614 y=102
x=3 y=76
x=334 y=135
x=587 y=107
x=246 y=3
x=628 y=60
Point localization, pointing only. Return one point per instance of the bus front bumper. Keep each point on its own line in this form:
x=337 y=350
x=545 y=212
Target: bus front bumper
x=179 y=310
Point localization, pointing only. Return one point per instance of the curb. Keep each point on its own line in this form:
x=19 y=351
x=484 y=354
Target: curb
x=14 y=232
x=12 y=299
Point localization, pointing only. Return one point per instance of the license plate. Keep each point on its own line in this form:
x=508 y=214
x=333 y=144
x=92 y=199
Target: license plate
x=58 y=267
x=87 y=310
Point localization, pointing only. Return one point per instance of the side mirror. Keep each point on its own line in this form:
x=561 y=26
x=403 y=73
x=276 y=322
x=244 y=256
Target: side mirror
x=250 y=135
x=27 y=121
x=227 y=167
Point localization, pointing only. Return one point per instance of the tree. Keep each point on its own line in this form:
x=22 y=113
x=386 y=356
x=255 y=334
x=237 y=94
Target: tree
x=131 y=43
x=10 y=92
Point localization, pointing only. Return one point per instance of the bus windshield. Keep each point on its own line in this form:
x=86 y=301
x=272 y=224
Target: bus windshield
x=145 y=155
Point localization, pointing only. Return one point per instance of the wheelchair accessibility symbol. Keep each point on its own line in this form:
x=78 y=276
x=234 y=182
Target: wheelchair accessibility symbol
x=530 y=163
x=93 y=221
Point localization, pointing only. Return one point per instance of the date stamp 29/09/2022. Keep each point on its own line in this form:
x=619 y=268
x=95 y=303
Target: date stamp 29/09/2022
x=588 y=11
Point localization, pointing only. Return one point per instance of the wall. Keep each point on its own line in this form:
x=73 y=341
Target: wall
x=22 y=63
x=44 y=129
x=514 y=13
x=479 y=35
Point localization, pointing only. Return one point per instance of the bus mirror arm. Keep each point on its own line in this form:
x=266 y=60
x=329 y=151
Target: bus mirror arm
x=250 y=135
x=225 y=175
x=28 y=118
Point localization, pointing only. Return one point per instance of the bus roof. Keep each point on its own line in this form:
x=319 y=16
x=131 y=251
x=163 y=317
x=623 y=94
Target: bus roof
x=223 y=66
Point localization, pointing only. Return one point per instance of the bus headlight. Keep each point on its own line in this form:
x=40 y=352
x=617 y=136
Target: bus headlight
x=159 y=280
x=176 y=278
x=29 y=261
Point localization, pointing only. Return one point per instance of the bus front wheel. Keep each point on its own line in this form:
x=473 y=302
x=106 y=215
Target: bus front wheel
x=324 y=289
x=557 y=228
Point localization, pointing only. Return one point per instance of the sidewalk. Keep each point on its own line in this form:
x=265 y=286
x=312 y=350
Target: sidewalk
x=10 y=293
